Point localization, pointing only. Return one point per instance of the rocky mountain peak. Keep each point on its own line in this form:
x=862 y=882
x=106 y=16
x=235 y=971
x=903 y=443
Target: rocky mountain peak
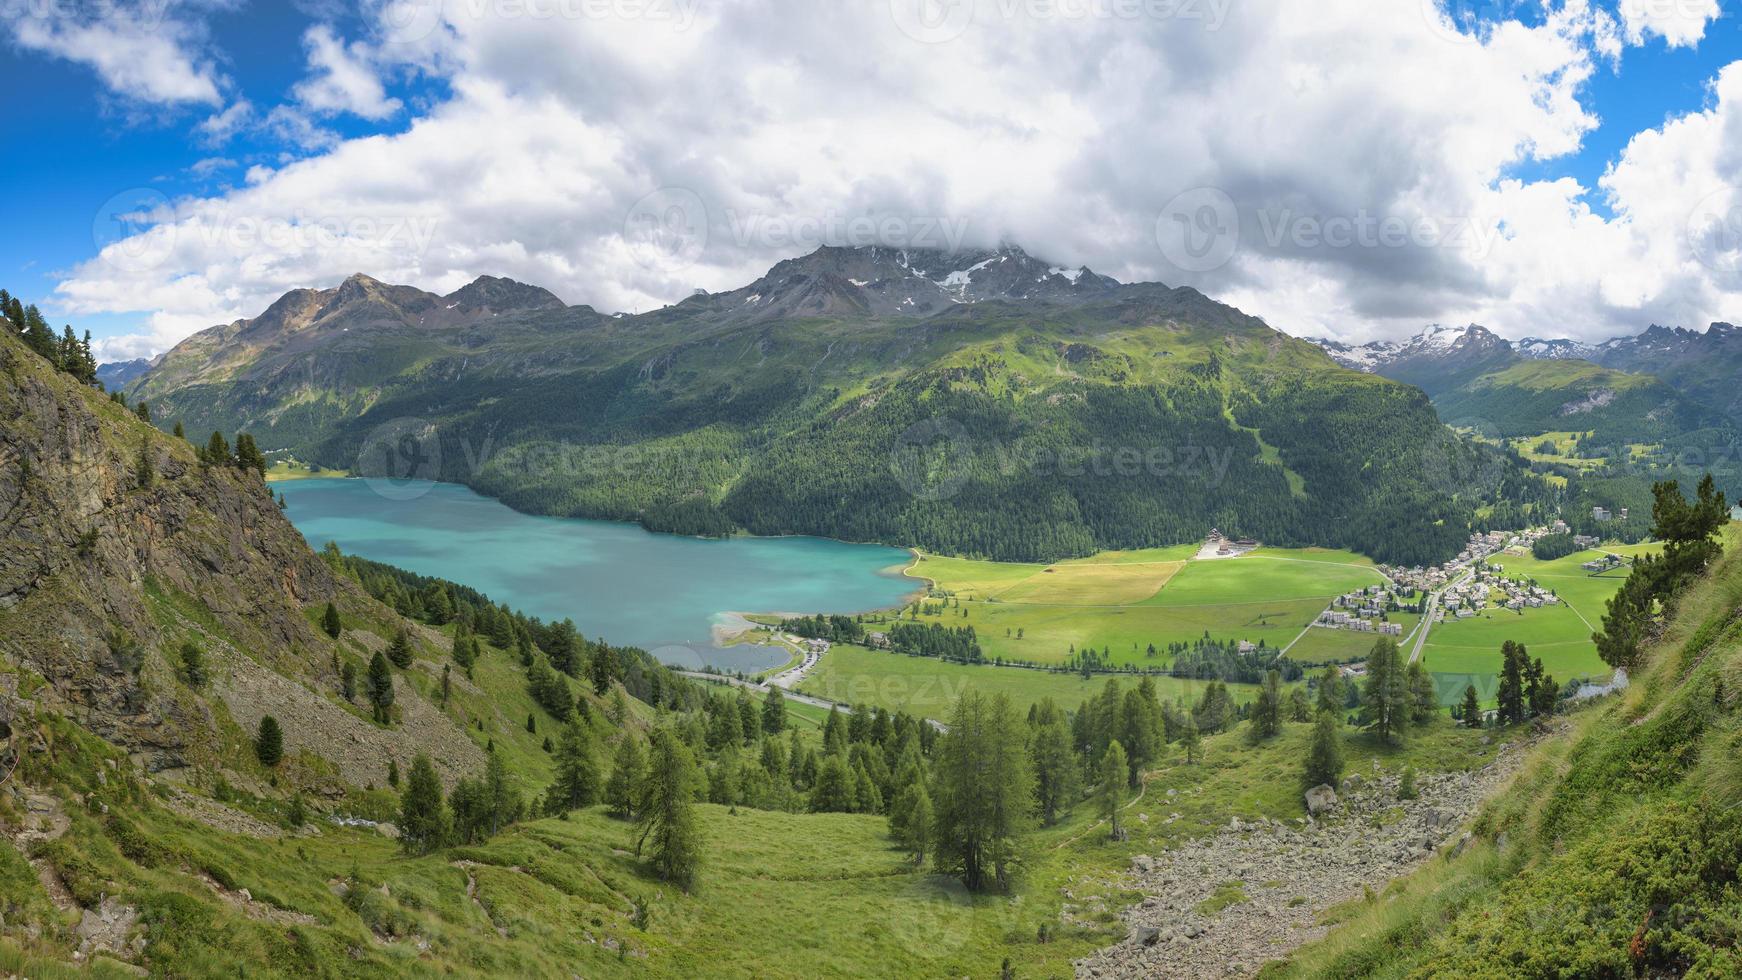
x=496 y=294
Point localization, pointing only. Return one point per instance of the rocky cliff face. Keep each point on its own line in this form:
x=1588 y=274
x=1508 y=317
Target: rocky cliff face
x=103 y=575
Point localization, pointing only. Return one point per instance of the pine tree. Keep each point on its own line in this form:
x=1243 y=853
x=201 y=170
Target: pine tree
x=1511 y=692
x=1110 y=792
x=1472 y=711
x=180 y=433
x=1406 y=784
x=269 y=742
x=577 y=773
x=144 y=468
x=193 y=665
x=1324 y=762
x=423 y=818
x=248 y=455
x=774 y=712
x=218 y=451
x=1055 y=765
x=381 y=688
x=1424 y=698
x=1386 y=695
x=330 y=621
x=348 y=681
x=1267 y=708
x=1331 y=691
x=1190 y=740
x=917 y=829
x=834 y=732
x=982 y=791
x=626 y=775
x=399 y=651
x=833 y=790
x=667 y=820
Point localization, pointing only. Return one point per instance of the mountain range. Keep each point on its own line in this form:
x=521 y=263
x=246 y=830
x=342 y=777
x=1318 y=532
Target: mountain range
x=981 y=402
x=1667 y=386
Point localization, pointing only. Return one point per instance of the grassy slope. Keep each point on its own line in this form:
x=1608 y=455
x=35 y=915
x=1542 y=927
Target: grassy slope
x=782 y=895
x=1616 y=853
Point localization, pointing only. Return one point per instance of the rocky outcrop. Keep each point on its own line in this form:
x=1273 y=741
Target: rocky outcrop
x=1223 y=905
x=103 y=575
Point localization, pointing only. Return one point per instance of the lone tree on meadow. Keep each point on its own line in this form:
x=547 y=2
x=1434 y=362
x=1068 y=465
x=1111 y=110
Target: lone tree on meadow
x=330 y=621
x=668 y=820
x=269 y=742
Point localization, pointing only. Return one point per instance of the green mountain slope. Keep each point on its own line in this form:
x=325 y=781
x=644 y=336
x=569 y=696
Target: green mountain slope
x=1618 y=852
x=853 y=393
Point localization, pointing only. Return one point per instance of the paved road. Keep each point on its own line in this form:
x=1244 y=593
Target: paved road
x=1427 y=620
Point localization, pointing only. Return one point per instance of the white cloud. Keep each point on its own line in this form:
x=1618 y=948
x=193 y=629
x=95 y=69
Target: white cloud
x=769 y=130
x=1681 y=23
x=137 y=49
x=218 y=128
x=342 y=79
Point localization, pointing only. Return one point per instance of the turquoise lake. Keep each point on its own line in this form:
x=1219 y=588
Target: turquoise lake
x=617 y=581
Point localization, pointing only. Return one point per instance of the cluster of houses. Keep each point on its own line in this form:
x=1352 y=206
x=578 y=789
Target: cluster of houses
x=1361 y=611
x=1603 y=515
x=1488 y=588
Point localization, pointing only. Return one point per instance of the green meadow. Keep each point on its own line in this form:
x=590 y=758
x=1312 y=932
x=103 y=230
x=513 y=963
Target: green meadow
x=1121 y=603
x=928 y=687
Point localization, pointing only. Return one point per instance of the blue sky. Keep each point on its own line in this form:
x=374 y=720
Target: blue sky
x=534 y=146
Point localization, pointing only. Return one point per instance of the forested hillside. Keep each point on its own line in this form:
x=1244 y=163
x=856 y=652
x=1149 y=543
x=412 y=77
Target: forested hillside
x=849 y=394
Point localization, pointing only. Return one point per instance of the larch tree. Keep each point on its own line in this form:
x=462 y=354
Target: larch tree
x=667 y=821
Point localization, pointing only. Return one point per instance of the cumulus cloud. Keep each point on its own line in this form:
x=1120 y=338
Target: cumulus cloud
x=1681 y=23
x=139 y=50
x=342 y=78
x=1352 y=157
